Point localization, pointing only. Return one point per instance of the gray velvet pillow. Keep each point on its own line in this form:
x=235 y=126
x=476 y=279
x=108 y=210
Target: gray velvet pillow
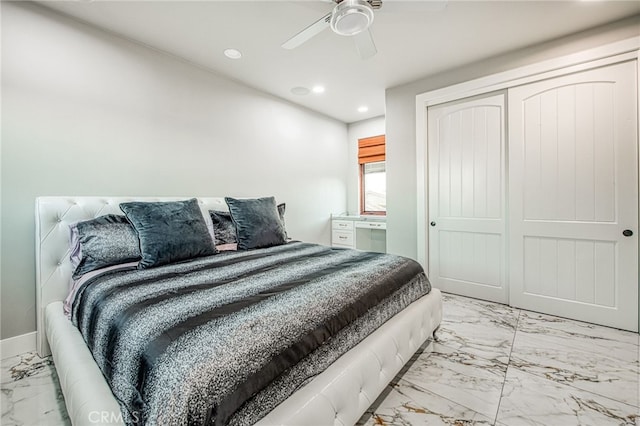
x=104 y=241
x=169 y=231
x=257 y=222
x=224 y=228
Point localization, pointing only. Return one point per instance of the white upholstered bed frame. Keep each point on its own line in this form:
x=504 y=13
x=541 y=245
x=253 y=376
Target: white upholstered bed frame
x=338 y=396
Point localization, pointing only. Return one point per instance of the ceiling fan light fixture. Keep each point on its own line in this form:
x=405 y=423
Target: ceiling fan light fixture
x=351 y=17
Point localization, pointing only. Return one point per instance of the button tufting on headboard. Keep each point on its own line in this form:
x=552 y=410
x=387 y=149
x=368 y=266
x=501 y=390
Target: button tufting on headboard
x=53 y=217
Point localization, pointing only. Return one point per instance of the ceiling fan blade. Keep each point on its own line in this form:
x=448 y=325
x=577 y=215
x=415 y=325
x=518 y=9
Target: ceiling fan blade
x=364 y=43
x=308 y=33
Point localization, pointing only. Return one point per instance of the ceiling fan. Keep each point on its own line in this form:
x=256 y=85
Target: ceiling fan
x=354 y=17
x=348 y=18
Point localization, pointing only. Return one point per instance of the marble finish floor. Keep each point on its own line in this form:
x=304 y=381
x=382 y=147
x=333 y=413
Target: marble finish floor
x=491 y=365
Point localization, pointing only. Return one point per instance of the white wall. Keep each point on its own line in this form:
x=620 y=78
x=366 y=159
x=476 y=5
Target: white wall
x=358 y=130
x=401 y=121
x=88 y=113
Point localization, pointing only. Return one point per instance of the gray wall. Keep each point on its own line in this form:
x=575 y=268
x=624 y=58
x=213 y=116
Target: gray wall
x=401 y=121
x=88 y=113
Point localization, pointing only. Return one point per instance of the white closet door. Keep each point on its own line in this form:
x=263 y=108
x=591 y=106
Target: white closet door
x=467 y=198
x=573 y=191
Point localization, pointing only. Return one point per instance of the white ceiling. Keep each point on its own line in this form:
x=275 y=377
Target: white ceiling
x=413 y=40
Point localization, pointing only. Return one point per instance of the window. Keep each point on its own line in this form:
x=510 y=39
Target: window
x=375 y=187
x=373 y=176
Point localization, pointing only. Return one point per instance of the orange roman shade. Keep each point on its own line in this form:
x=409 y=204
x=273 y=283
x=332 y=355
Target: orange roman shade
x=371 y=150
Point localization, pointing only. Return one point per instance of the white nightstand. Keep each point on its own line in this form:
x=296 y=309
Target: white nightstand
x=342 y=233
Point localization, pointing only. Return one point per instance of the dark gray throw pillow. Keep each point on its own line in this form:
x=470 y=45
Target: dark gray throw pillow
x=104 y=241
x=224 y=228
x=169 y=231
x=257 y=222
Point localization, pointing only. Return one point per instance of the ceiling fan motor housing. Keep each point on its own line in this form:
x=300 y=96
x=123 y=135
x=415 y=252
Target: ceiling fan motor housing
x=351 y=17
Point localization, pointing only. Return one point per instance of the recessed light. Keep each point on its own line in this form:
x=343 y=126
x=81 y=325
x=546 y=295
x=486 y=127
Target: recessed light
x=232 y=53
x=363 y=108
x=318 y=89
x=300 y=91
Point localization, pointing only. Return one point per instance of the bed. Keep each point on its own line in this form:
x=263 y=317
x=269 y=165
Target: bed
x=339 y=394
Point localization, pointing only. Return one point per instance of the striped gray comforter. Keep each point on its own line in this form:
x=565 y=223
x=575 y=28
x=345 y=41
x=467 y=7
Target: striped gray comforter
x=224 y=339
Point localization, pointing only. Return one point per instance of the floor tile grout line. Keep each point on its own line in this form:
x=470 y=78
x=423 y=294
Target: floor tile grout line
x=445 y=398
x=570 y=385
x=519 y=313
x=506 y=371
x=417 y=385
x=567 y=385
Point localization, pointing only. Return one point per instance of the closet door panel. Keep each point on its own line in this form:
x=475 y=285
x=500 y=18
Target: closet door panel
x=566 y=197
x=573 y=190
x=466 y=160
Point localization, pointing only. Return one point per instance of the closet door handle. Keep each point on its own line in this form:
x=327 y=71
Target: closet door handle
x=627 y=232
x=433 y=224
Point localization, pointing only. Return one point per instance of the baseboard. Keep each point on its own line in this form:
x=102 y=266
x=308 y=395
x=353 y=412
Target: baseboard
x=17 y=345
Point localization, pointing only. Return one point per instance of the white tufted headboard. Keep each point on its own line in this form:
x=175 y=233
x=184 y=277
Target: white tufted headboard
x=53 y=266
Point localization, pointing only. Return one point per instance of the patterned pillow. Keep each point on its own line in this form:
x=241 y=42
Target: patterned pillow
x=169 y=231
x=104 y=241
x=281 y=208
x=257 y=222
x=224 y=230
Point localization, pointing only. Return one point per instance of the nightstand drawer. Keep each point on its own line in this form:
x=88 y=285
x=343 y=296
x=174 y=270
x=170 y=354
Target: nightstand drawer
x=343 y=238
x=342 y=224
